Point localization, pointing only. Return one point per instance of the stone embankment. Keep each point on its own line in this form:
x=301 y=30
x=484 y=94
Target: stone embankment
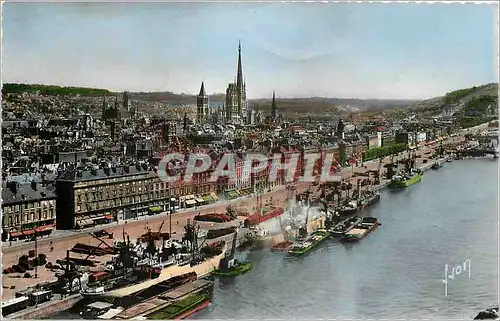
x=47 y=309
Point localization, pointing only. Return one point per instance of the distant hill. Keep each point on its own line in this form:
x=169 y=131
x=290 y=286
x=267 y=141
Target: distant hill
x=466 y=101
x=172 y=98
x=469 y=106
x=319 y=104
x=52 y=89
x=470 y=102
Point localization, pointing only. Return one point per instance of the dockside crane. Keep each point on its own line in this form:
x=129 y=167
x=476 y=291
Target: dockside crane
x=71 y=268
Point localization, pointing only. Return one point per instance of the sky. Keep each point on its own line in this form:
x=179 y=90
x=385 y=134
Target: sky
x=344 y=50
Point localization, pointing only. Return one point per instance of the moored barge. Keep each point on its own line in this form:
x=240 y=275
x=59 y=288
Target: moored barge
x=367 y=225
x=345 y=226
x=178 y=303
x=305 y=246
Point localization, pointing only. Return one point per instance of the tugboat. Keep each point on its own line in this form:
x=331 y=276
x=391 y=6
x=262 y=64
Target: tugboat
x=234 y=268
x=367 y=225
x=230 y=266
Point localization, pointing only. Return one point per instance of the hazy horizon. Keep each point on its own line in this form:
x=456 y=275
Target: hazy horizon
x=335 y=50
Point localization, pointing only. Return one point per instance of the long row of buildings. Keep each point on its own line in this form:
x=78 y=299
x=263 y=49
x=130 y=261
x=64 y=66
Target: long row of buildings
x=88 y=194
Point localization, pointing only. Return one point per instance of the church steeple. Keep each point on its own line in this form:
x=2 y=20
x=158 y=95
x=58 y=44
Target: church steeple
x=274 y=108
x=202 y=90
x=202 y=105
x=239 y=77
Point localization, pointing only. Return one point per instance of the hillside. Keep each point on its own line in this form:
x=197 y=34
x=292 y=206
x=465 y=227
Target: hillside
x=468 y=106
x=459 y=102
x=172 y=98
x=52 y=90
x=310 y=105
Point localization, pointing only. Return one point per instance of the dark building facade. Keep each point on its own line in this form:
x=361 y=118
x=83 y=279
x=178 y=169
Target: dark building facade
x=27 y=209
x=103 y=194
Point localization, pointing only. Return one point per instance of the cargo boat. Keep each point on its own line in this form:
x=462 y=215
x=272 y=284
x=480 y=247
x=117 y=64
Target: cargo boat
x=135 y=269
x=313 y=240
x=406 y=180
x=178 y=303
x=345 y=226
x=369 y=199
x=367 y=225
x=265 y=230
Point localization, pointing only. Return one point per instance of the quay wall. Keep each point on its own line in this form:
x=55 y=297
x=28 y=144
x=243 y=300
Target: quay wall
x=47 y=309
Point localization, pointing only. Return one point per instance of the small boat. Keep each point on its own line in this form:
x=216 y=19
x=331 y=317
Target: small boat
x=235 y=268
x=348 y=209
x=367 y=225
x=488 y=314
x=282 y=246
x=436 y=165
x=95 y=309
x=303 y=247
x=345 y=226
x=449 y=160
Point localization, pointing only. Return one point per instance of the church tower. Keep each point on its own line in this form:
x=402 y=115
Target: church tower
x=236 y=97
x=201 y=105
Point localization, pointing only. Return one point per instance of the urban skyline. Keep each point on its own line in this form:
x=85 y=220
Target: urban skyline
x=424 y=50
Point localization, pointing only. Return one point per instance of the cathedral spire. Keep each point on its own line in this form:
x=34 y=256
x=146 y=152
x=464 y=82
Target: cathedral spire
x=274 y=109
x=202 y=90
x=239 y=77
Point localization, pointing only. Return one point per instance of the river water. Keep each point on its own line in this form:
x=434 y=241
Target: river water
x=394 y=273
